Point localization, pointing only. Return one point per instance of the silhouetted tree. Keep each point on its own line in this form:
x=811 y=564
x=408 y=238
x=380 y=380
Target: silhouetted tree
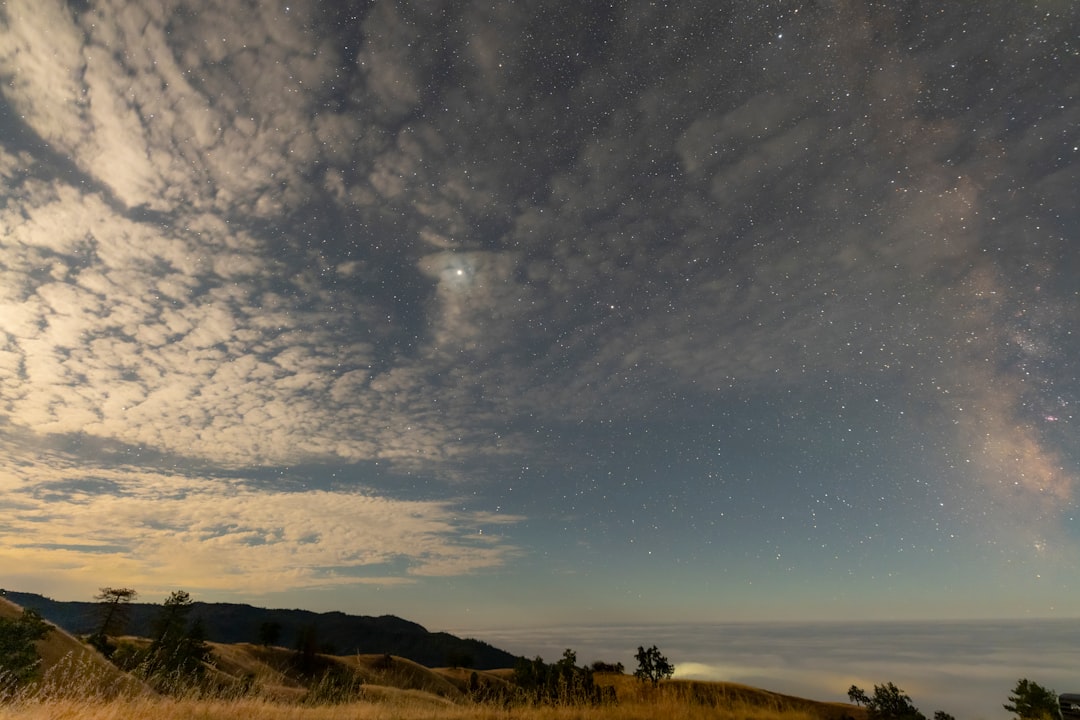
x=652 y=665
x=269 y=633
x=178 y=650
x=18 y=652
x=599 y=666
x=307 y=649
x=888 y=703
x=562 y=683
x=857 y=696
x=1032 y=701
x=113 y=610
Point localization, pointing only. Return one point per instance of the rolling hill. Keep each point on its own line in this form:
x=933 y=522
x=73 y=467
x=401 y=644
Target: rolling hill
x=74 y=666
x=273 y=674
x=335 y=632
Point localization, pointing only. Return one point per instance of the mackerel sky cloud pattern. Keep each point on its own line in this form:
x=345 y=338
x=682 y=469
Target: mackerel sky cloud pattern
x=507 y=302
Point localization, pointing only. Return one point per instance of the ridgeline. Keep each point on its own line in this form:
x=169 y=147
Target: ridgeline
x=335 y=633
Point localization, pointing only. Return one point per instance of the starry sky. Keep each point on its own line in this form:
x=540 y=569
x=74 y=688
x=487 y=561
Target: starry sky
x=499 y=314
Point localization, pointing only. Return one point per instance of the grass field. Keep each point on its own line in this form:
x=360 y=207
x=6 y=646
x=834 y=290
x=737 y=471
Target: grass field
x=400 y=708
x=66 y=696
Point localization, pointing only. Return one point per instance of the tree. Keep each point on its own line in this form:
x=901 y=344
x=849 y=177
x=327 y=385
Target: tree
x=652 y=665
x=857 y=696
x=113 y=610
x=1031 y=701
x=599 y=666
x=888 y=703
x=178 y=650
x=170 y=626
x=307 y=650
x=18 y=652
x=269 y=633
x=561 y=683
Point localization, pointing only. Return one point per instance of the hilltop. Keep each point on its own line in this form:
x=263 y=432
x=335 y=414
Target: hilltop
x=336 y=633
x=61 y=653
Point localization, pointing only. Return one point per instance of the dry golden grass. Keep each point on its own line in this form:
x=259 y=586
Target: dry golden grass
x=726 y=700
x=70 y=666
x=676 y=699
x=402 y=707
x=401 y=673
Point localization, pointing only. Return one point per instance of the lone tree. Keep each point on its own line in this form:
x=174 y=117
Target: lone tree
x=18 y=653
x=178 y=649
x=652 y=665
x=113 y=610
x=888 y=703
x=1032 y=701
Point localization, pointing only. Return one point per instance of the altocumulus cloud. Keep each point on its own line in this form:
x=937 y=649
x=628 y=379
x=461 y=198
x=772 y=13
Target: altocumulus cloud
x=156 y=322
x=168 y=339
x=464 y=244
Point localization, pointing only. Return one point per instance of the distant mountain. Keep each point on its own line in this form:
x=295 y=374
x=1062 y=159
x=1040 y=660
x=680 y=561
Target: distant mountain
x=335 y=633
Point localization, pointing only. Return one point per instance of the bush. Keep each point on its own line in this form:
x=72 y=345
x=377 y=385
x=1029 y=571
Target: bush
x=562 y=683
x=1032 y=701
x=888 y=703
x=18 y=652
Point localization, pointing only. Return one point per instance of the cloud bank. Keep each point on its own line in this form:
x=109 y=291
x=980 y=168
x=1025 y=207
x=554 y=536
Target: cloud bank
x=161 y=530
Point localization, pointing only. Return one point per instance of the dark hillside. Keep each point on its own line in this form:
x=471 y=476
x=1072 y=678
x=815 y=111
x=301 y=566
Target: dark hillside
x=334 y=632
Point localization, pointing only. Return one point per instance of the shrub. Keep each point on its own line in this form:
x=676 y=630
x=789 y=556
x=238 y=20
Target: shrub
x=18 y=652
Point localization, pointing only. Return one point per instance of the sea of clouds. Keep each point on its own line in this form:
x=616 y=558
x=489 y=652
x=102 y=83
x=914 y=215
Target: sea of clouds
x=966 y=668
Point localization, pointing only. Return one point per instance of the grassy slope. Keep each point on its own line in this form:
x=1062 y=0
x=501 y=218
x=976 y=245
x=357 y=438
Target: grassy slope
x=722 y=695
x=73 y=666
x=273 y=669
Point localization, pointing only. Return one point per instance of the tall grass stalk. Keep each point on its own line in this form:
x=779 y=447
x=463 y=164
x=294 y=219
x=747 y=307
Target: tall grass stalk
x=77 y=689
x=405 y=708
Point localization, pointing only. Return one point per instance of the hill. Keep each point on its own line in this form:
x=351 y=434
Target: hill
x=725 y=696
x=275 y=672
x=75 y=667
x=258 y=681
x=335 y=632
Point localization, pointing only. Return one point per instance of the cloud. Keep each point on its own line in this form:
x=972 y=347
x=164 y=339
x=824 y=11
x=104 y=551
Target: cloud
x=474 y=295
x=162 y=530
x=278 y=237
x=965 y=667
x=212 y=113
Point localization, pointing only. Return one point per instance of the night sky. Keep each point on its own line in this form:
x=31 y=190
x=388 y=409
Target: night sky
x=497 y=314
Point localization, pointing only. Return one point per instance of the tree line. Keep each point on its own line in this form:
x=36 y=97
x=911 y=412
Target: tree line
x=1028 y=701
